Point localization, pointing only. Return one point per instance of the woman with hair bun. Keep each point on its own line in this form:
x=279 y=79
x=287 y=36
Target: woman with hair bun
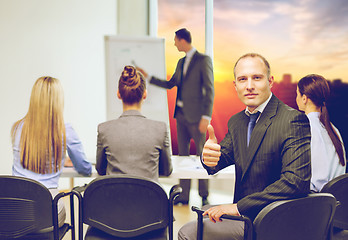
x=133 y=144
x=327 y=150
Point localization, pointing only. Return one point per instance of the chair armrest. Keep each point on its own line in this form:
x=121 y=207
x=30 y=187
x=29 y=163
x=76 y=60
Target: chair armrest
x=55 y=214
x=79 y=189
x=338 y=203
x=78 y=192
x=174 y=192
x=248 y=228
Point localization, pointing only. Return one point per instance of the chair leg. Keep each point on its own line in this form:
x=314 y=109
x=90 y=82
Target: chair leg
x=200 y=227
x=72 y=217
x=80 y=216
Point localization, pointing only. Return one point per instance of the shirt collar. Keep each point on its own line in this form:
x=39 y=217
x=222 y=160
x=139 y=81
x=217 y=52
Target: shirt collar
x=260 y=108
x=132 y=113
x=190 y=53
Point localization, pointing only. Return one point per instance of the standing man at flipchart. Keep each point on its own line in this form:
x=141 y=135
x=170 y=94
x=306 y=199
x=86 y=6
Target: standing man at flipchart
x=194 y=79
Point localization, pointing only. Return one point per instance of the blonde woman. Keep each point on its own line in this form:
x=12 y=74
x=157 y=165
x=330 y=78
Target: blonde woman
x=41 y=139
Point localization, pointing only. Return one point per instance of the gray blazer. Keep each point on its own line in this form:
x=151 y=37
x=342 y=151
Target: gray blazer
x=197 y=87
x=277 y=163
x=133 y=144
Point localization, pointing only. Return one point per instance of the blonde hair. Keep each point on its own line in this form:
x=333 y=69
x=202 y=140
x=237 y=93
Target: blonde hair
x=43 y=139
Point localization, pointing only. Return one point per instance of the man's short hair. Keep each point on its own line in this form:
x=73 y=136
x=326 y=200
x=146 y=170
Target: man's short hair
x=254 y=55
x=183 y=33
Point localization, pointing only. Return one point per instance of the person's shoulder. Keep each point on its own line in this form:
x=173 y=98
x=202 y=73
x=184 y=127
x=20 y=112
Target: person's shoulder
x=199 y=55
x=70 y=131
x=287 y=109
x=284 y=108
x=156 y=123
x=236 y=117
x=155 y=129
x=68 y=126
x=107 y=124
x=291 y=114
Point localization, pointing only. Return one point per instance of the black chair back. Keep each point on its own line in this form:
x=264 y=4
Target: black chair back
x=339 y=188
x=301 y=219
x=304 y=218
x=27 y=210
x=125 y=206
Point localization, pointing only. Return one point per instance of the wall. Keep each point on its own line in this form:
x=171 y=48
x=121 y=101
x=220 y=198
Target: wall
x=63 y=39
x=132 y=17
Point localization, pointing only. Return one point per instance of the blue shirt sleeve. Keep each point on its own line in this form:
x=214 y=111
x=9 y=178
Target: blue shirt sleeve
x=76 y=152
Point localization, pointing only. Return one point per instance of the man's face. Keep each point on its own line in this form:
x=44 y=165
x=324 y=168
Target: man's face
x=178 y=44
x=252 y=83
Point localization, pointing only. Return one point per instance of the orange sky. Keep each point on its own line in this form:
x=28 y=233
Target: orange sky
x=297 y=37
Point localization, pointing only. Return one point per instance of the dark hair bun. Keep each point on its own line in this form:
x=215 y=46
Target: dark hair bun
x=130 y=77
x=131 y=85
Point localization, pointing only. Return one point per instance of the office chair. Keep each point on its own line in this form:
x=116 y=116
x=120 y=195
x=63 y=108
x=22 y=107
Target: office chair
x=126 y=207
x=339 y=188
x=301 y=219
x=27 y=211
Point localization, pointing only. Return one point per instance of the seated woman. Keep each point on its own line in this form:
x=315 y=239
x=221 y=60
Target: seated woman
x=133 y=144
x=41 y=139
x=327 y=149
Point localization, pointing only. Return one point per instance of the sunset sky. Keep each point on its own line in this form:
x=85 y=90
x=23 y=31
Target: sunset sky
x=296 y=36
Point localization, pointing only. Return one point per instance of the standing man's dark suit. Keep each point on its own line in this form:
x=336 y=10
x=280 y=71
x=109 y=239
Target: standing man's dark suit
x=195 y=88
x=196 y=92
x=274 y=165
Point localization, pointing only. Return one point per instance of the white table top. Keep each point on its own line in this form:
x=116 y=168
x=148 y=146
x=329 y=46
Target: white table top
x=184 y=167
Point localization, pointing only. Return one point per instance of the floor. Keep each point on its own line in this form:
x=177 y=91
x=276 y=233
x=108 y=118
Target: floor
x=219 y=192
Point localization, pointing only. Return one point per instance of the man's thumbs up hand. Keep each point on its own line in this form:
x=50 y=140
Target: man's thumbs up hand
x=211 y=134
x=211 y=150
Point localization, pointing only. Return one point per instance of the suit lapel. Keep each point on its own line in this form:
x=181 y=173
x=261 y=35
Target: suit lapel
x=180 y=71
x=191 y=64
x=259 y=132
x=242 y=138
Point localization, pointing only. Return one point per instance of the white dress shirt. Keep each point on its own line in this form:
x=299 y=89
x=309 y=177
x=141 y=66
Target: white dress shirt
x=325 y=161
x=260 y=108
x=188 y=58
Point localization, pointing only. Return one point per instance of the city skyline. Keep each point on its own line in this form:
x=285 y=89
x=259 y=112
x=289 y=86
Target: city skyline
x=297 y=37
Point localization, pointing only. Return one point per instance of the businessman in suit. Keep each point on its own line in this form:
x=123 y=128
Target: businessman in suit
x=272 y=160
x=194 y=80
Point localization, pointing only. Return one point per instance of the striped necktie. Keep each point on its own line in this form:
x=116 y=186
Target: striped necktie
x=251 y=125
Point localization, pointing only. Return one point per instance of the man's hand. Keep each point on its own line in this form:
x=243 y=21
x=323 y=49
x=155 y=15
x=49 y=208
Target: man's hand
x=203 y=125
x=216 y=212
x=211 y=150
x=142 y=72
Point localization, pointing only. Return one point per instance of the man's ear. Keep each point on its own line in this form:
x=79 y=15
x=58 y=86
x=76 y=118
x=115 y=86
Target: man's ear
x=271 y=81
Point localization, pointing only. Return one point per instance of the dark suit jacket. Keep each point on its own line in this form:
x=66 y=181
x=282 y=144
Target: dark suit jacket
x=276 y=165
x=197 y=87
x=133 y=144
